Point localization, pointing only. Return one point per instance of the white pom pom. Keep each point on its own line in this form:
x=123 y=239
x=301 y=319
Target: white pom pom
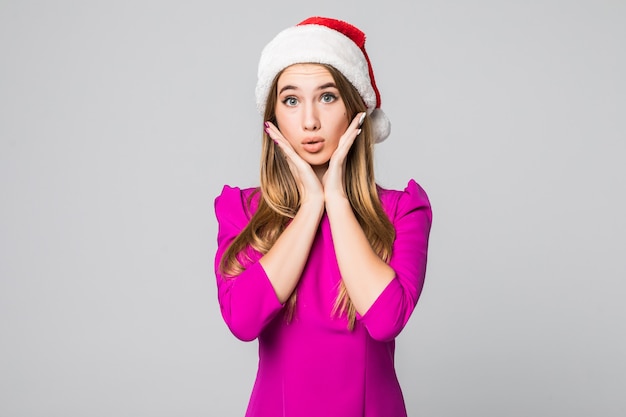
x=381 y=126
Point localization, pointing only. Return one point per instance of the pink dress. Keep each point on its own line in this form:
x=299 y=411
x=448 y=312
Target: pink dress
x=314 y=366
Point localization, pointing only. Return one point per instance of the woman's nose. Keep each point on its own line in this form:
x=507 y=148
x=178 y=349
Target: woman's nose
x=311 y=120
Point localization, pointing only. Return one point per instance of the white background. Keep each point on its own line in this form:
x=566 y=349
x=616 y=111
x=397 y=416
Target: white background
x=120 y=121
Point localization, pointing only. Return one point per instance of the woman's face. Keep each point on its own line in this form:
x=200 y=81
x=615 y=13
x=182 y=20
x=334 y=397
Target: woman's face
x=310 y=113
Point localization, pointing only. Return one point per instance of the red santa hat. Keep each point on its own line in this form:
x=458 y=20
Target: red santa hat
x=325 y=41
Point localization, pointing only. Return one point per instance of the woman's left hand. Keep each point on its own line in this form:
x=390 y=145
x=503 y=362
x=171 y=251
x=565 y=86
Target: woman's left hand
x=333 y=178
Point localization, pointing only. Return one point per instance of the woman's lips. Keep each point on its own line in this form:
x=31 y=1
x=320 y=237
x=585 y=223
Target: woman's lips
x=313 y=145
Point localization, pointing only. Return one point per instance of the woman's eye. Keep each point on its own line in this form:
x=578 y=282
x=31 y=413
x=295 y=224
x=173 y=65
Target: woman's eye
x=328 y=98
x=290 y=101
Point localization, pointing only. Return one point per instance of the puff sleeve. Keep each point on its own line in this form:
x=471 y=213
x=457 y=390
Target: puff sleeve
x=410 y=212
x=247 y=301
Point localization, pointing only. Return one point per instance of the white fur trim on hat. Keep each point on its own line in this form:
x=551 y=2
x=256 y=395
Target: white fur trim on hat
x=315 y=43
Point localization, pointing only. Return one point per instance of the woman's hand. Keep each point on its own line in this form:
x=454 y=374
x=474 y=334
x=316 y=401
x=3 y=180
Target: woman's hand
x=284 y=262
x=308 y=184
x=333 y=178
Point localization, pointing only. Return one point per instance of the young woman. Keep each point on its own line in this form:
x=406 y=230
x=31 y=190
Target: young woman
x=319 y=263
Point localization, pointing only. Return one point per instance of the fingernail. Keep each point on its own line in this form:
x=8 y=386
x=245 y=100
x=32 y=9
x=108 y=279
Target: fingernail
x=266 y=124
x=358 y=132
x=361 y=119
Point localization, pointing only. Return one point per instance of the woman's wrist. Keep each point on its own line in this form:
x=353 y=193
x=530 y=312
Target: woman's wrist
x=334 y=201
x=312 y=205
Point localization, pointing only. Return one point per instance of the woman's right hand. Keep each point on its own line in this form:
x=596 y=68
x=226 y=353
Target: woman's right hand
x=309 y=185
x=284 y=262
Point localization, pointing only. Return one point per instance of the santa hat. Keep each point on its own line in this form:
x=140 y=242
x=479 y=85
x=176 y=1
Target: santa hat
x=325 y=41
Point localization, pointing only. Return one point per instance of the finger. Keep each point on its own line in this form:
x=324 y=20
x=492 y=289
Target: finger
x=278 y=138
x=359 y=118
x=354 y=129
x=347 y=139
x=295 y=162
x=273 y=132
x=357 y=121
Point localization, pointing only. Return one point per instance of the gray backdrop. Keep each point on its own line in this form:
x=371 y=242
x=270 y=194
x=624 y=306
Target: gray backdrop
x=120 y=121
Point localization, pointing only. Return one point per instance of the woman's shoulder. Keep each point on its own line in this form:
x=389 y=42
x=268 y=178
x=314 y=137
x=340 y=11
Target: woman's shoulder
x=237 y=202
x=397 y=202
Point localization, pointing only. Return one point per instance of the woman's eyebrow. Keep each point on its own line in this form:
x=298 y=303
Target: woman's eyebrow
x=327 y=85
x=287 y=87
x=321 y=87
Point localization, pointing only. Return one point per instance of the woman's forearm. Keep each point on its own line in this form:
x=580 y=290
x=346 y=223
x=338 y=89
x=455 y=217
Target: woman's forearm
x=285 y=261
x=364 y=274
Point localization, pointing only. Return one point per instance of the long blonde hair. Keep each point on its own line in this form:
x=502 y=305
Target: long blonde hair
x=280 y=200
